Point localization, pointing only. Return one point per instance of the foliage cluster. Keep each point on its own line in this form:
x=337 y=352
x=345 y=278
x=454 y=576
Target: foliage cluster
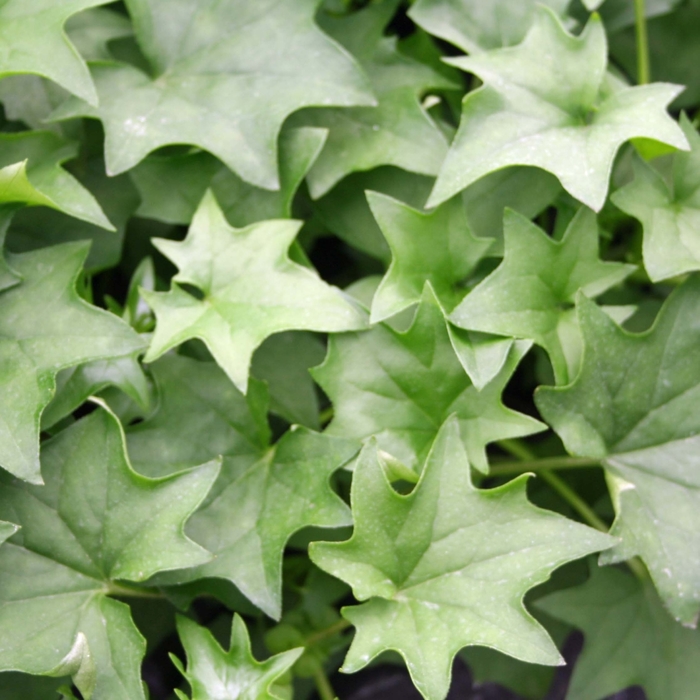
x=330 y=331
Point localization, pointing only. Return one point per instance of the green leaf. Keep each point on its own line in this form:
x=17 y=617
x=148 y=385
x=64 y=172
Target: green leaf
x=34 y=41
x=400 y=387
x=215 y=673
x=46 y=327
x=634 y=407
x=531 y=294
x=7 y=530
x=31 y=173
x=200 y=415
x=252 y=512
x=548 y=103
x=217 y=82
x=438 y=247
x=669 y=212
x=92 y=30
x=447 y=566
x=398 y=131
x=95 y=521
x=227 y=264
x=629 y=639
x=475 y=26
x=19 y=686
x=190 y=175
x=283 y=362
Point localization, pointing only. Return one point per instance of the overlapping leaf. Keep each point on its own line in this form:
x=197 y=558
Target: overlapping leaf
x=531 y=294
x=46 y=327
x=548 y=103
x=218 y=82
x=251 y=290
x=476 y=26
x=34 y=41
x=94 y=522
x=400 y=387
x=437 y=247
x=634 y=406
x=212 y=671
x=669 y=212
x=398 y=131
x=629 y=639
x=448 y=565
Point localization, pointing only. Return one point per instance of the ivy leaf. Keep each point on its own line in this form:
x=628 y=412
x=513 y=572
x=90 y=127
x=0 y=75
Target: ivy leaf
x=531 y=294
x=253 y=511
x=447 y=566
x=31 y=173
x=398 y=131
x=399 y=387
x=200 y=415
x=226 y=264
x=92 y=30
x=633 y=406
x=190 y=175
x=45 y=328
x=34 y=41
x=215 y=85
x=669 y=212
x=437 y=246
x=211 y=670
x=94 y=522
x=627 y=635
x=547 y=103
x=476 y=26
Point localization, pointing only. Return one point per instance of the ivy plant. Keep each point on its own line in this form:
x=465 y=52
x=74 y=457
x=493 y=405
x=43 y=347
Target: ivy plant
x=339 y=334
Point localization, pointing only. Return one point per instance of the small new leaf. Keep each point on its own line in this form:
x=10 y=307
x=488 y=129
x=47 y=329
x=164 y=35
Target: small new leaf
x=548 y=103
x=215 y=673
x=669 y=212
x=251 y=290
x=448 y=565
x=532 y=293
x=94 y=521
x=629 y=639
x=634 y=407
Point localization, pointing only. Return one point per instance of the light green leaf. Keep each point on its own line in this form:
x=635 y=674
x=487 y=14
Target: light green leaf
x=437 y=247
x=92 y=30
x=94 y=522
x=547 y=103
x=218 y=82
x=619 y=14
x=475 y=25
x=33 y=41
x=398 y=131
x=400 y=387
x=158 y=177
x=669 y=212
x=200 y=415
x=447 y=566
x=482 y=356
x=215 y=673
x=31 y=173
x=531 y=294
x=629 y=639
x=251 y=290
x=46 y=327
x=7 y=530
x=634 y=407
x=253 y=511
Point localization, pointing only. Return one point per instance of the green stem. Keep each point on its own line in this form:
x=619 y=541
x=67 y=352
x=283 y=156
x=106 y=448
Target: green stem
x=323 y=685
x=643 y=68
x=537 y=465
x=325 y=415
x=587 y=513
x=125 y=591
x=331 y=631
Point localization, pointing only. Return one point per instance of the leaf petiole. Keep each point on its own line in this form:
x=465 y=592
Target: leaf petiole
x=643 y=67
